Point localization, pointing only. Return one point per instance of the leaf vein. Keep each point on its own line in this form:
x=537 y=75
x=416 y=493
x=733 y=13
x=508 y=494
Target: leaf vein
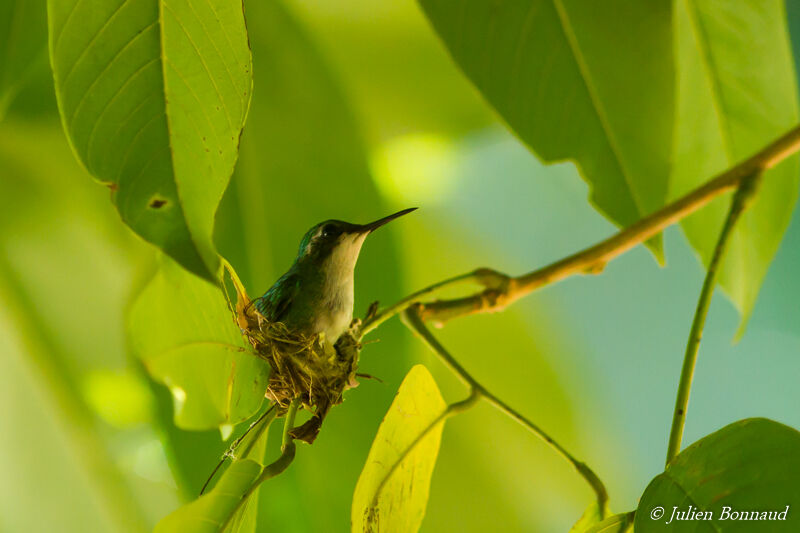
x=706 y=58
x=105 y=69
x=124 y=159
x=205 y=67
x=67 y=21
x=572 y=40
x=91 y=42
x=200 y=107
x=217 y=50
x=107 y=106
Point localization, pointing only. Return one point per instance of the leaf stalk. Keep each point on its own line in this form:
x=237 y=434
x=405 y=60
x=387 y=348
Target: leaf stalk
x=739 y=203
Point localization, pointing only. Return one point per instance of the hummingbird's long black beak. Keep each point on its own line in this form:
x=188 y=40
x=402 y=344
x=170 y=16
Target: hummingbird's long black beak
x=372 y=226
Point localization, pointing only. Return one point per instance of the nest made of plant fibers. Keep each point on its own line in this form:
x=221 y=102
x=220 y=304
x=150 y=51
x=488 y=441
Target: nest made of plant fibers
x=303 y=366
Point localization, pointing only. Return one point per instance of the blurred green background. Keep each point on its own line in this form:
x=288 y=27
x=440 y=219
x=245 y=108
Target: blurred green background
x=363 y=114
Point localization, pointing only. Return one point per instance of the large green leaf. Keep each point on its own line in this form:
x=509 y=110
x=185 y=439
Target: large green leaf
x=750 y=465
x=184 y=333
x=400 y=505
x=22 y=43
x=153 y=95
x=736 y=92
x=576 y=79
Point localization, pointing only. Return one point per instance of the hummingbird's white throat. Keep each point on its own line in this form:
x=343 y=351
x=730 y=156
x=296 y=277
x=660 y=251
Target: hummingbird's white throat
x=338 y=290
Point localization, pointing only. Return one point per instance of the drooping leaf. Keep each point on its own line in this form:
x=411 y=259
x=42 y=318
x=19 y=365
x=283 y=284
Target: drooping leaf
x=400 y=504
x=301 y=161
x=750 y=465
x=23 y=27
x=736 y=92
x=183 y=331
x=580 y=80
x=153 y=95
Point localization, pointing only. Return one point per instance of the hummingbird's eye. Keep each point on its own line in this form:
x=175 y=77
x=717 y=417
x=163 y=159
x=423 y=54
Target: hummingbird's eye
x=329 y=230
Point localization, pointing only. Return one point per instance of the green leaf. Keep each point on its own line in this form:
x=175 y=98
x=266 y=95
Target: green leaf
x=577 y=80
x=153 y=95
x=207 y=513
x=400 y=506
x=619 y=523
x=184 y=333
x=23 y=25
x=736 y=92
x=752 y=464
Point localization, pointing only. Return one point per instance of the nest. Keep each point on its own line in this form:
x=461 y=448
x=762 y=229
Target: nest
x=303 y=366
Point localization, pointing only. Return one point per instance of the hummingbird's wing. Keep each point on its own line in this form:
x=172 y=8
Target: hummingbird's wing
x=277 y=301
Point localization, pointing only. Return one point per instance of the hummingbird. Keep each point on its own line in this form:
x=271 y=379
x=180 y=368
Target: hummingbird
x=315 y=296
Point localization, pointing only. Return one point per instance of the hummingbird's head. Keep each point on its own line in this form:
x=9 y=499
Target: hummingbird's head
x=339 y=242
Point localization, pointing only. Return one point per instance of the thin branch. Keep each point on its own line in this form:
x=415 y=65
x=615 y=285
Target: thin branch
x=481 y=276
x=288 y=449
x=412 y=319
x=738 y=205
x=500 y=290
x=269 y=416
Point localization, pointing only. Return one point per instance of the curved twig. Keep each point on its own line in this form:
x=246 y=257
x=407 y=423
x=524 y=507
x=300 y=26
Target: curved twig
x=413 y=320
